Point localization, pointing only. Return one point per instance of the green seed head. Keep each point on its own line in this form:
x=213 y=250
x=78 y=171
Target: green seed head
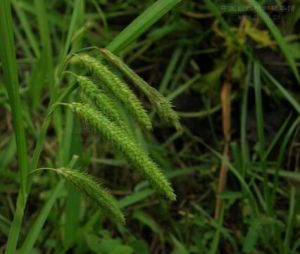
x=118 y=88
x=123 y=143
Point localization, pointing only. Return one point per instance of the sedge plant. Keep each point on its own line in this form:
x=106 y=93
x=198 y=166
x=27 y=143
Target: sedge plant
x=98 y=108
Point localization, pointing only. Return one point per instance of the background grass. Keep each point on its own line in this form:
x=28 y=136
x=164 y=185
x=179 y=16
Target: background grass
x=188 y=50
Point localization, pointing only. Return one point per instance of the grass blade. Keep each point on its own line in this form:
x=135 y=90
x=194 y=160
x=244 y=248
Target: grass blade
x=282 y=90
x=8 y=58
x=141 y=24
x=26 y=26
x=44 y=32
x=260 y=128
x=277 y=35
x=34 y=233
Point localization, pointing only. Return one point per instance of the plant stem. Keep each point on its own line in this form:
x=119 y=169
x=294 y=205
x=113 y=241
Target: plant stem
x=8 y=58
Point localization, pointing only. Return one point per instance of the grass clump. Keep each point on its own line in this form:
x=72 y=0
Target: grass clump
x=232 y=74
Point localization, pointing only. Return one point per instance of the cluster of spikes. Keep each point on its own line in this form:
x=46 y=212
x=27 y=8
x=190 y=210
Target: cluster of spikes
x=102 y=92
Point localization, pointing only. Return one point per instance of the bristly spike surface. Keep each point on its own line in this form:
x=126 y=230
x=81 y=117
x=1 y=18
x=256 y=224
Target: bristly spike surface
x=161 y=104
x=88 y=185
x=99 y=99
x=118 y=88
x=123 y=143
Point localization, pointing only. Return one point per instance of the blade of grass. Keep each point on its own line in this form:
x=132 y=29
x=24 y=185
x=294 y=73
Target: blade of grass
x=141 y=24
x=8 y=58
x=260 y=129
x=279 y=134
x=76 y=19
x=290 y=221
x=37 y=79
x=170 y=70
x=39 y=222
x=42 y=17
x=236 y=173
x=8 y=154
x=182 y=88
x=22 y=42
x=243 y=129
x=277 y=35
x=185 y=56
x=217 y=235
x=129 y=200
x=27 y=27
x=66 y=147
x=282 y=90
x=292 y=202
x=42 y=133
x=72 y=137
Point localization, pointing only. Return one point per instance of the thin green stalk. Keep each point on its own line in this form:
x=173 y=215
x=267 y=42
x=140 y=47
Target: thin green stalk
x=72 y=138
x=243 y=129
x=292 y=202
x=170 y=70
x=8 y=58
x=217 y=235
x=42 y=134
x=260 y=131
x=24 y=21
x=290 y=221
x=42 y=18
x=285 y=93
x=39 y=222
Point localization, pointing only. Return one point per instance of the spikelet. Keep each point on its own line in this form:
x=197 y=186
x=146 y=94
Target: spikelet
x=123 y=143
x=122 y=124
x=93 y=190
x=161 y=104
x=99 y=99
x=118 y=88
